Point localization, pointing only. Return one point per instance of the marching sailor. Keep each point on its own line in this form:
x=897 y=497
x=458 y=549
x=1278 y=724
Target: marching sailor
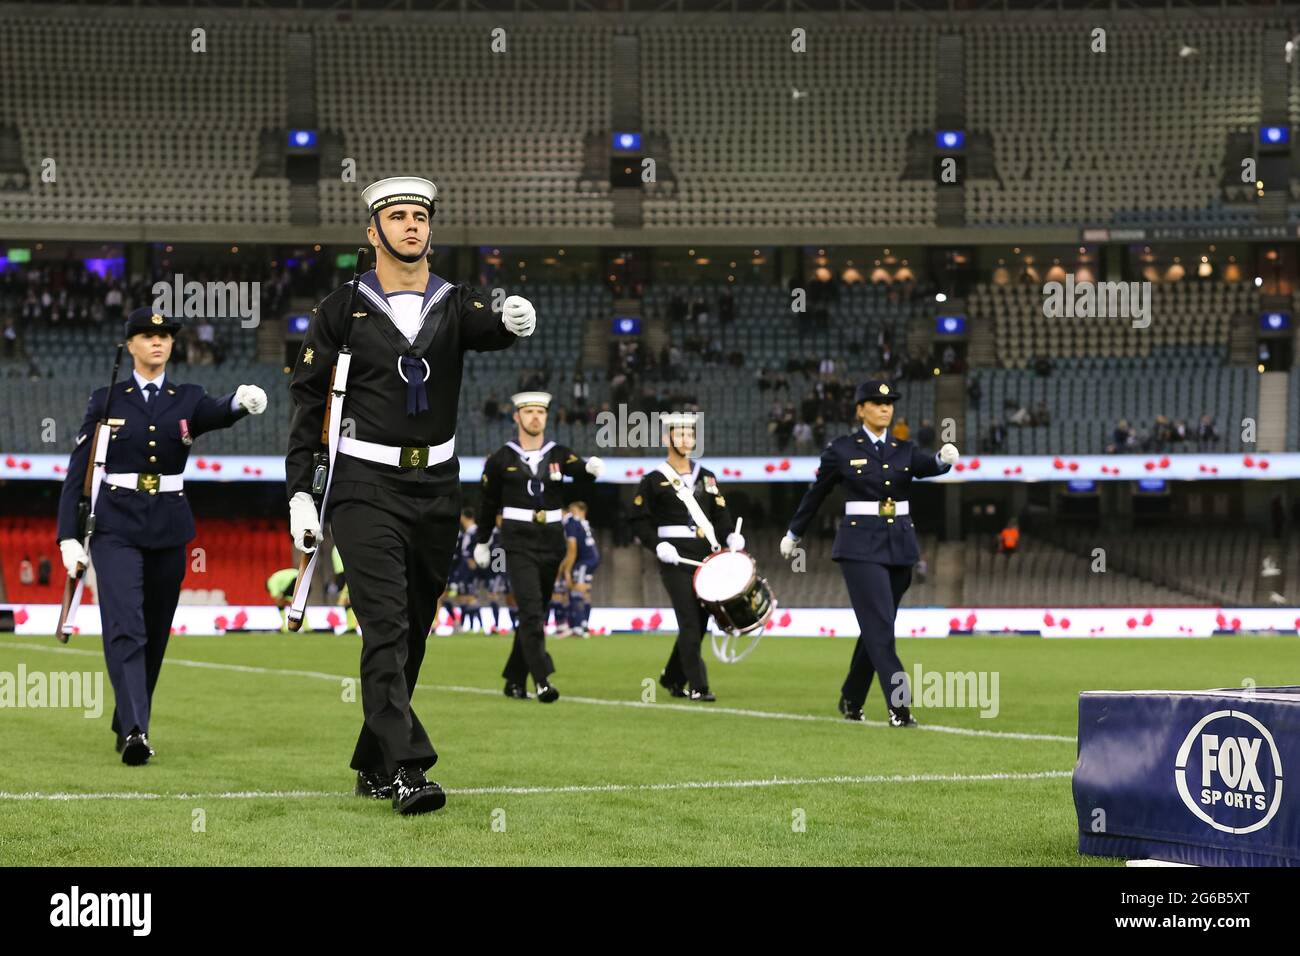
x=387 y=351
x=679 y=512
x=523 y=482
x=876 y=544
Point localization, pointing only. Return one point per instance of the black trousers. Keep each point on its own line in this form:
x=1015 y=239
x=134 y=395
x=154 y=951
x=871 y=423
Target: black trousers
x=875 y=590
x=686 y=664
x=397 y=552
x=138 y=592
x=532 y=566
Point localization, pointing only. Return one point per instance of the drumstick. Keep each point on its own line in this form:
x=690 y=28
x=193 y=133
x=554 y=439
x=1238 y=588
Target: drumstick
x=681 y=560
x=739 y=522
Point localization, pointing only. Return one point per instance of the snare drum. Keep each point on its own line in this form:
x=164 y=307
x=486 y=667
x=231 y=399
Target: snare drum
x=727 y=583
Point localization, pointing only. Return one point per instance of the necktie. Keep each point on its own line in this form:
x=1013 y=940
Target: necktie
x=149 y=391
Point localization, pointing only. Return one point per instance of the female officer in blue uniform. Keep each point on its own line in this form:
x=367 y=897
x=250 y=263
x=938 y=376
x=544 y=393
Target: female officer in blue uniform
x=876 y=544
x=142 y=520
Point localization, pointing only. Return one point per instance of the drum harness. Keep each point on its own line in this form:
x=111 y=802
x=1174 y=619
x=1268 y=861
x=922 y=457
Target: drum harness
x=687 y=497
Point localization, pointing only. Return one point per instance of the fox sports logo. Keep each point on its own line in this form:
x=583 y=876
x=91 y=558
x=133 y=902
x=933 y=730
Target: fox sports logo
x=1229 y=772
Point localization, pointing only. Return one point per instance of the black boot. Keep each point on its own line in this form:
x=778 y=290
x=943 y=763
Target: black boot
x=901 y=717
x=414 y=793
x=517 y=691
x=547 y=693
x=702 y=694
x=136 y=750
x=850 y=710
x=374 y=784
x=676 y=690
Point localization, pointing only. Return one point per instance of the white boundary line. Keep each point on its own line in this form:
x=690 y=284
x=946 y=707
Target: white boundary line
x=582 y=788
x=483 y=691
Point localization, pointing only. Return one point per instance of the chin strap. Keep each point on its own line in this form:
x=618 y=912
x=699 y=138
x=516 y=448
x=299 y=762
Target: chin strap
x=403 y=256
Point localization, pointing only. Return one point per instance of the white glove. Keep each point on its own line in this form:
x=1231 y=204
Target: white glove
x=595 y=467
x=667 y=553
x=518 y=315
x=251 y=398
x=73 y=555
x=948 y=454
x=482 y=555
x=787 y=545
x=303 y=519
x=736 y=541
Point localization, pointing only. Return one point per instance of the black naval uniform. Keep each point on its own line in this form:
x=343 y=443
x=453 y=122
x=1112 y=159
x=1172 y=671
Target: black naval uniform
x=655 y=509
x=395 y=525
x=875 y=552
x=531 y=504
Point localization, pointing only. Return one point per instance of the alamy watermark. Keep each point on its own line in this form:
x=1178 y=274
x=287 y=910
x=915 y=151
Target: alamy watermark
x=213 y=300
x=77 y=690
x=959 y=689
x=1098 y=300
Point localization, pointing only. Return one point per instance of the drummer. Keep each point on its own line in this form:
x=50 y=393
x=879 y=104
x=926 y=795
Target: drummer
x=679 y=512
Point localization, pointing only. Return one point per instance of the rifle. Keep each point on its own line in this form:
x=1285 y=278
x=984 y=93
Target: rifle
x=324 y=461
x=73 y=586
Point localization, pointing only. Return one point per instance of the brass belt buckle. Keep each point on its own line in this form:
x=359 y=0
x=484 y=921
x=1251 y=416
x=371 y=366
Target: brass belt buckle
x=414 y=457
x=888 y=508
x=147 y=483
x=539 y=516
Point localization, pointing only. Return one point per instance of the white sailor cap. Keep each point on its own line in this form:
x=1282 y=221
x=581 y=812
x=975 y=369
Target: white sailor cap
x=678 y=419
x=398 y=189
x=522 y=399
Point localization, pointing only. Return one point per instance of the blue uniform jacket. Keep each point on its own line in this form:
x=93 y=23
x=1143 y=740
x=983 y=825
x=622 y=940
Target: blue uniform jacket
x=147 y=441
x=869 y=477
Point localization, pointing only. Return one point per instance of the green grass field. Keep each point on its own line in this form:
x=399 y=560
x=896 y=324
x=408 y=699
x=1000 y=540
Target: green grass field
x=255 y=732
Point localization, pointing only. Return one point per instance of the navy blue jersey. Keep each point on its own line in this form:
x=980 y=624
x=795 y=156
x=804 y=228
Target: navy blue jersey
x=580 y=530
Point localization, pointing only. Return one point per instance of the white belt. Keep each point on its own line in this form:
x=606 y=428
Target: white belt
x=419 y=456
x=873 y=508
x=527 y=514
x=151 y=483
x=677 y=531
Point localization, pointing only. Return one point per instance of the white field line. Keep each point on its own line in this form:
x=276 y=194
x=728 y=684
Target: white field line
x=600 y=701
x=580 y=788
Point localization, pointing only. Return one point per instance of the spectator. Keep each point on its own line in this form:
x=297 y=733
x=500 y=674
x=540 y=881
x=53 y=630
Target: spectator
x=925 y=435
x=43 y=570
x=1019 y=417
x=902 y=430
x=11 y=339
x=1120 y=436
x=1040 y=415
x=975 y=392
x=1009 y=538
x=803 y=438
x=26 y=574
x=1205 y=433
x=997 y=437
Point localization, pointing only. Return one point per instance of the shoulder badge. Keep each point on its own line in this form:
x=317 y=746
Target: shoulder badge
x=637 y=501
x=722 y=502
x=307 y=356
